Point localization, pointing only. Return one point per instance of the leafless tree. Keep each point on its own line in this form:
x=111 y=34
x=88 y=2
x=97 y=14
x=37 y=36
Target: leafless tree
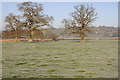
x=13 y=23
x=82 y=17
x=34 y=17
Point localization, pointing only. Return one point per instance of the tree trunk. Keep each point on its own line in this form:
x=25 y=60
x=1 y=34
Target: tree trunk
x=31 y=35
x=16 y=35
x=82 y=37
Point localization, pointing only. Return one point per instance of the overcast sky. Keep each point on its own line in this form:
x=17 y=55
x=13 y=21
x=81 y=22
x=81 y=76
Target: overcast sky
x=107 y=11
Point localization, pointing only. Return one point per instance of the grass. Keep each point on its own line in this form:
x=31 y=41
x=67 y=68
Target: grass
x=60 y=59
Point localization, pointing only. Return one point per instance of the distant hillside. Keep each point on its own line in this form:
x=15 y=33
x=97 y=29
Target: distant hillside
x=104 y=31
x=100 y=31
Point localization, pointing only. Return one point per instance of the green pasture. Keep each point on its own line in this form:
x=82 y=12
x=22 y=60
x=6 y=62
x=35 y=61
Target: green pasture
x=60 y=59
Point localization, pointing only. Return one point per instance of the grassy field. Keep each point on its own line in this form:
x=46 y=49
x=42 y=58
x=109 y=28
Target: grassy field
x=60 y=59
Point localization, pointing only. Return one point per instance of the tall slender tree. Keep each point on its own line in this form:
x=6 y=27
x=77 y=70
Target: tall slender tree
x=81 y=19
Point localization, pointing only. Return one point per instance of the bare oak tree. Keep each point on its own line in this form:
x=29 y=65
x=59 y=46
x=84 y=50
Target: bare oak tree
x=34 y=17
x=82 y=17
x=13 y=23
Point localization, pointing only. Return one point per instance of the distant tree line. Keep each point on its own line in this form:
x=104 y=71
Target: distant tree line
x=95 y=32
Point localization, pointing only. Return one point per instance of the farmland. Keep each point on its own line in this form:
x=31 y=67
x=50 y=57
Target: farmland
x=60 y=59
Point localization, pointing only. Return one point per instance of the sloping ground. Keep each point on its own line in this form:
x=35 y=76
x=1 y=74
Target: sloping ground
x=61 y=59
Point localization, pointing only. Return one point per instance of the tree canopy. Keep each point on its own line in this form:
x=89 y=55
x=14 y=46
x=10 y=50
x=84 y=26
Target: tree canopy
x=32 y=18
x=81 y=19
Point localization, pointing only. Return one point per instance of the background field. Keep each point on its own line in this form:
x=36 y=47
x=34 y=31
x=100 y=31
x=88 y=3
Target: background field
x=60 y=59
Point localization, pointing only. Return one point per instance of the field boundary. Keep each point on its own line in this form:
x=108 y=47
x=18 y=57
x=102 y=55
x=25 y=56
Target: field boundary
x=38 y=40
